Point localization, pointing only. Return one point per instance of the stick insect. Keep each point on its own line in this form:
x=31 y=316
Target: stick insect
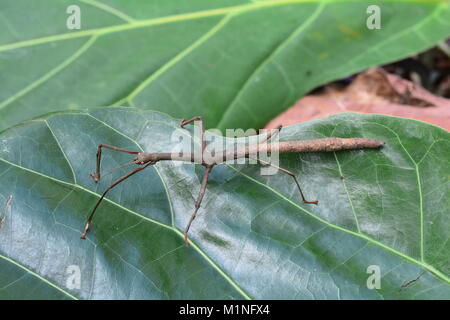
x=143 y=160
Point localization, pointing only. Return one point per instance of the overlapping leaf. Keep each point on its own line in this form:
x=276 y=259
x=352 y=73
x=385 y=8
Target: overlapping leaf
x=385 y=210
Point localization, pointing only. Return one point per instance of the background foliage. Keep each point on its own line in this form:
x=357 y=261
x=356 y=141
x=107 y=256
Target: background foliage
x=237 y=63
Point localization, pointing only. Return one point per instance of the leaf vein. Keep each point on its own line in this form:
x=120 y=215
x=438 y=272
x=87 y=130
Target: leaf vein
x=49 y=74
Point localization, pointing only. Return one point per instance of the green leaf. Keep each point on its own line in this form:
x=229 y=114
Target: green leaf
x=237 y=63
x=253 y=238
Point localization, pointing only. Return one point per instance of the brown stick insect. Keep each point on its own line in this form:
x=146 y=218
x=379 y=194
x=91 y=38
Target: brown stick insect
x=144 y=160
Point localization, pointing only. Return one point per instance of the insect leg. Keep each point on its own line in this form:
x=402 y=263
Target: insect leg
x=184 y=122
x=271 y=134
x=289 y=173
x=112 y=185
x=198 y=202
x=96 y=175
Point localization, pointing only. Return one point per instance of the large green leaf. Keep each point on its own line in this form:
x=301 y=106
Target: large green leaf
x=252 y=239
x=237 y=63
